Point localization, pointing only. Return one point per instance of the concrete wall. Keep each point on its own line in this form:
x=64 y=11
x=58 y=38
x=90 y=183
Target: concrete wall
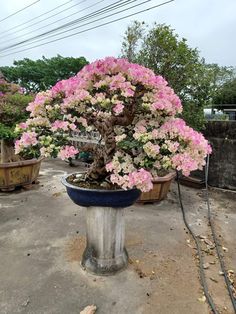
x=222 y=169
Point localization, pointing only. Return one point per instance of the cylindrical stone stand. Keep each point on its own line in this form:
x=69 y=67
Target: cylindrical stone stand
x=105 y=252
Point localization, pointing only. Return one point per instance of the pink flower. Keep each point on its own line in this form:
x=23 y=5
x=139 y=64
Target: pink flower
x=151 y=150
x=83 y=121
x=67 y=152
x=141 y=127
x=72 y=126
x=118 y=108
x=141 y=179
x=109 y=166
x=209 y=149
x=185 y=163
x=58 y=124
x=56 y=89
x=18 y=147
x=22 y=125
x=29 y=138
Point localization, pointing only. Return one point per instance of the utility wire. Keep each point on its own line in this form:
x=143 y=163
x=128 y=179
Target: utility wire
x=39 y=40
x=46 y=18
x=55 y=22
x=91 y=28
x=218 y=250
x=34 y=18
x=108 y=8
x=7 y=17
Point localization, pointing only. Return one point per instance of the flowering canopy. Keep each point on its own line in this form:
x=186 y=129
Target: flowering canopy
x=134 y=111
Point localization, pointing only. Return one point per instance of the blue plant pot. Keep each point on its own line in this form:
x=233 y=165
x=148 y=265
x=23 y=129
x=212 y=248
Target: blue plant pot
x=105 y=198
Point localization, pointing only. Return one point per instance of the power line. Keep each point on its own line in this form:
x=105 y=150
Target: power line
x=34 y=18
x=72 y=23
x=103 y=10
x=62 y=11
x=63 y=18
x=7 y=17
x=108 y=8
x=91 y=28
x=87 y=24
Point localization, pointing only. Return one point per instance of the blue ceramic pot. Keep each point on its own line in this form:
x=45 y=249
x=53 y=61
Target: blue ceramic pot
x=105 y=198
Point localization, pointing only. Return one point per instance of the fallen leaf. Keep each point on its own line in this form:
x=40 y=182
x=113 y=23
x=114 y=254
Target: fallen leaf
x=206 y=265
x=202 y=237
x=213 y=279
x=57 y=194
x=90 y=309
x=202 y=299
x=207 y=241
x=26 y=303
x=192 y=247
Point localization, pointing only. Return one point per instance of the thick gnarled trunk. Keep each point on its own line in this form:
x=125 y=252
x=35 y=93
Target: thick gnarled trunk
x=103 y=154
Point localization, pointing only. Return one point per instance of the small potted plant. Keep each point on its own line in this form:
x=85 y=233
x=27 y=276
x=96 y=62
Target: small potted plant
x=14 y=169
x=134 y=112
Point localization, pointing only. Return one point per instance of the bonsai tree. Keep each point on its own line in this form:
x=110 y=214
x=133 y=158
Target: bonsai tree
x=12 y=111
x=134 y=111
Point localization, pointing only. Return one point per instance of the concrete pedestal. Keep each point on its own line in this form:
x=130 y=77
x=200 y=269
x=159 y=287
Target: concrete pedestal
x=105 y=252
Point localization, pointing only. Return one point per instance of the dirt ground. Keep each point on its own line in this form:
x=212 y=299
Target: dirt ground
x=42 y=238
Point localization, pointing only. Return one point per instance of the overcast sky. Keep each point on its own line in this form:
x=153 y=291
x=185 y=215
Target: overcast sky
x=209 y=25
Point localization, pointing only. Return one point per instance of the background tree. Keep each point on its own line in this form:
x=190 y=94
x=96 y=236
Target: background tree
x=13 y=105
x=133 y=35
x=42 y=74
x=227 y=93
x=161 y=49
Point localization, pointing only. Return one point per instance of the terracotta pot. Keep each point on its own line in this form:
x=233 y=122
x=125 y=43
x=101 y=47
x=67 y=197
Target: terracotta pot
x=160 y=189
x=20 y=173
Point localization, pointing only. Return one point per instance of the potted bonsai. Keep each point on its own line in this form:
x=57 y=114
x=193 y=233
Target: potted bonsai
x=14 y=170
x=141 y=139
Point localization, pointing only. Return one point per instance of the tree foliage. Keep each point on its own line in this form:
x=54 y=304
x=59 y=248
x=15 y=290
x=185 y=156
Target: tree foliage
x=42 y=74
x=161 y=49
x=13 y=105
x=227 y=93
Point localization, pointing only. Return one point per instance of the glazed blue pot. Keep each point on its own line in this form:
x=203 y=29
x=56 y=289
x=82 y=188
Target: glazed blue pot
x=105 y=198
